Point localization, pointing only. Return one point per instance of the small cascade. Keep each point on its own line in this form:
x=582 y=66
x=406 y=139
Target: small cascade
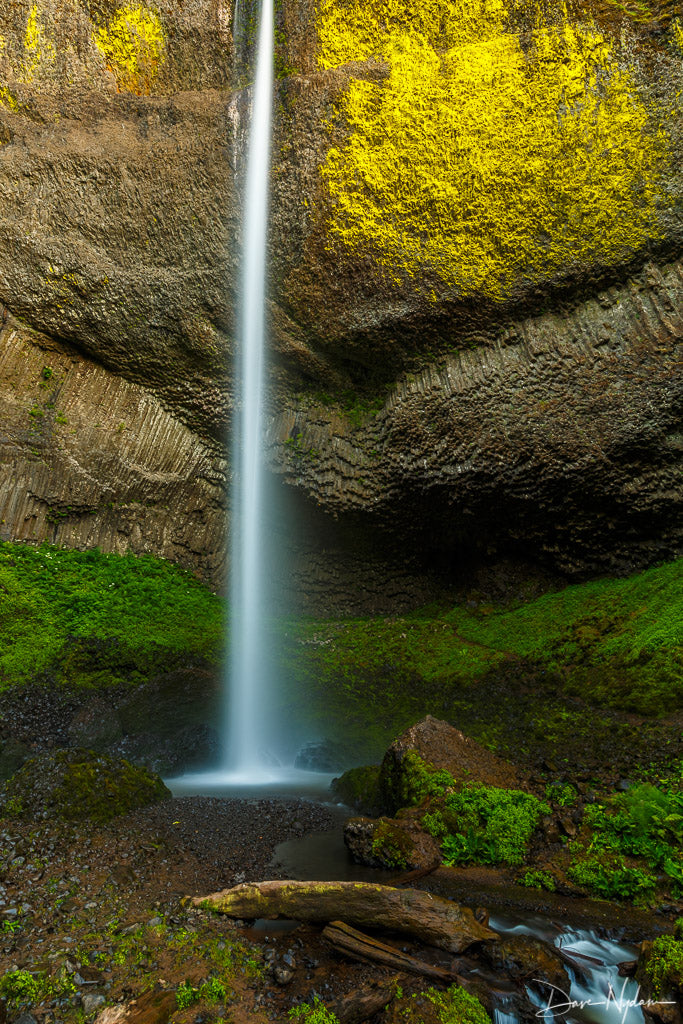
x=504 y=1009
x=247 y=685
x=597 y=994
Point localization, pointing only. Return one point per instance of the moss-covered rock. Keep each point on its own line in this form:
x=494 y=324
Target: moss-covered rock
x=359 y=788
x=427 y=754
x=660 y=976
x=454 y=1006
x=77 y=784
x=390 y=843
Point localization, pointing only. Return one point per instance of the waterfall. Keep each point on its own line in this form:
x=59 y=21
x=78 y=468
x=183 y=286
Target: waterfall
x=247 y=684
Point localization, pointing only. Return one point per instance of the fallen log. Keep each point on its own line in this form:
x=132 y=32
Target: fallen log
x=431 y=919
x=355 y=944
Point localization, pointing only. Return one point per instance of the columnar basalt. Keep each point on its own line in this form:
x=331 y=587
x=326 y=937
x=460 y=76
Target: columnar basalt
x=475 y=320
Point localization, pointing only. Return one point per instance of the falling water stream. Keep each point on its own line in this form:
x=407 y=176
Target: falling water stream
x=246 y=761
x=247 y=683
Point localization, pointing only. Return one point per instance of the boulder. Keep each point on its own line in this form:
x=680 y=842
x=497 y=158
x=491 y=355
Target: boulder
x=359 y=789
x=398 y=844
x=73 y=785
x=433 y=745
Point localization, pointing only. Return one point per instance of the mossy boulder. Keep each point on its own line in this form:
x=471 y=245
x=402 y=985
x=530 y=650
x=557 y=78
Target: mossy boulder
x=359 y=788
x=431 y=747
x=71 y=785
x=391 y=843
x=454 y=1006
x=660 y=976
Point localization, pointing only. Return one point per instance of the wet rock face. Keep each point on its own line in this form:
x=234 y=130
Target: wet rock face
x=447 y=384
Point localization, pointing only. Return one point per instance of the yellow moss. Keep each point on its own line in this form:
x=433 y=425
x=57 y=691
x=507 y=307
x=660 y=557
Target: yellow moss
x=677 y=30
x=7 y=99
x=134 y=46
x=476 y=163
x=38 y=48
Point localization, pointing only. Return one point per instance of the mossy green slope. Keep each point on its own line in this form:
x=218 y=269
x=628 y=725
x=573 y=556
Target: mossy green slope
x=615 y=645
x=85 y=618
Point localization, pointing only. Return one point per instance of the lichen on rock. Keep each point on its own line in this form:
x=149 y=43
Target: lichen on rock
x=134 y=45
x=478 y=163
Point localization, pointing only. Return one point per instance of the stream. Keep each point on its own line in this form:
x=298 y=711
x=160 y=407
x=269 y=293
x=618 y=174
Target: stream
x=597 y=994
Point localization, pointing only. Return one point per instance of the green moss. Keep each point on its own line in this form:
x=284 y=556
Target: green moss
x=517 y=678
x=359 y=788
x=663 y=966
x=100 y=619
x=315 y=1013
x=72 y=785
x=552 y=155
x=453 y=1006
x=406 y=783
x=390 y=845
x=134 y=47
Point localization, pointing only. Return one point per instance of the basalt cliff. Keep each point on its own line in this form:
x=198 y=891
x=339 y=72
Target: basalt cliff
x=476 y=285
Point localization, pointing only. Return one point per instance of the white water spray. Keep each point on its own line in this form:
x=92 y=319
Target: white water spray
x=248 y=666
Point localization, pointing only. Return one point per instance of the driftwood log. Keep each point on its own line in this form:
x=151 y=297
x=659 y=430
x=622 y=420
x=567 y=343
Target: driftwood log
x=355 y=944
x=431 y=919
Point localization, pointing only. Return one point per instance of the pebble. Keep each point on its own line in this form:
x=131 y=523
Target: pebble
x=25 y=1018
x=283 y=975
x=92 y=1002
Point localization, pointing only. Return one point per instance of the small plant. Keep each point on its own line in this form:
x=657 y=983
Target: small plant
x=538 y=879
x=214 y=991
x=47 y=373
x=316 y=1014
x=560 y=793
x=20 y=987
x=186 y=995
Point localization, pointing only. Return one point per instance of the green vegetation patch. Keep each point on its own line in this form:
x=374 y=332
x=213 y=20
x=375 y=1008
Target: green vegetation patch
x=485 y=825
x=453 y=1006
x=615 y=645
x=629 y=841
x=21 y=988
x=84 y=618
x=660 y=971
x=73 y=785
x=313 y=1013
